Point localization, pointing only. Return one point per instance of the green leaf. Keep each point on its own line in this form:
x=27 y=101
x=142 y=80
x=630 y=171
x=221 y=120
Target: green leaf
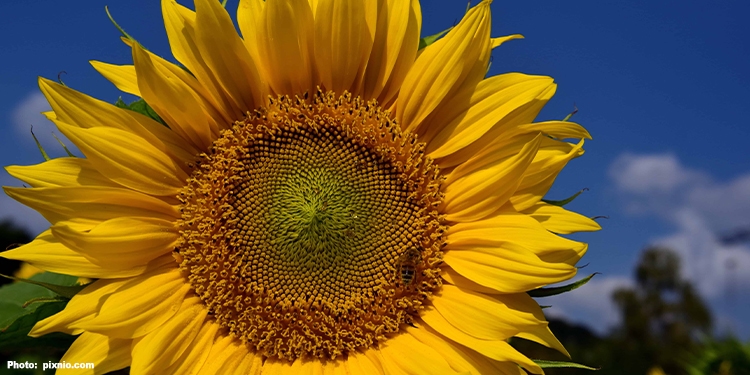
x=141 y=107
x=546 y=292
x=15 y=335
x=67 y=291
x=39 y=145
x=23 y=304
x=575 y=110
x=560 y=364
x=426 y=41
x=121 y=30
x=565 y=201
x=63 y=146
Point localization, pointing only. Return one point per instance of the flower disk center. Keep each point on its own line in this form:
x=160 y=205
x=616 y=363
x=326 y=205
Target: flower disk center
x=310 y=229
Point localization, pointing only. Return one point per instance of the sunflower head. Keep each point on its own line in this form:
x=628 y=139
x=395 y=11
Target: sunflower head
x=317 y=194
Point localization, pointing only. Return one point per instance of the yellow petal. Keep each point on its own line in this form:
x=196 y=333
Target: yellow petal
x=476 y=189
x=123 y=241
x=285 y=44
x=406 y=355
x=520 y=229
x=454 y=278
x=140 y=306
x=551 y=159
x=249 y=18
x=222 y=354
x=481 y=316
x=394 y=49
x=559 y=220
x=104 y=353
x=192 y=360
x=75 y=108
x=498 y=350
x=358 y=363
x=461 y=358
x=445 y=67
x=176 y=103
x=507 y=269
x=91 y=204
x=127 y=159
x=122 y=76
x=60 y=172
x=226 y=58
x=342 y=43
x=504 y=129
x=463 y=123
x=46 y=252
x=181 y=25
x=82 y=307
x=164 y=346
x=496 y=42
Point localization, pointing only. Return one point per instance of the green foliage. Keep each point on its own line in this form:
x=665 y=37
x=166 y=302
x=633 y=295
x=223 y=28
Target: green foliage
x=141 y=107
x=727 y=357
x=23 y=304
x=561 y=364
x=39 y=145
x=565 y=201
x=426 y=41
x=546 y=292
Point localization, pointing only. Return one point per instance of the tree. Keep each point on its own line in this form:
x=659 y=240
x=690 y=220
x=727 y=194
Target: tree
x=663 y=318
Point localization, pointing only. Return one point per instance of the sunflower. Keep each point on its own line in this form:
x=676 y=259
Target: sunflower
x=318 y=195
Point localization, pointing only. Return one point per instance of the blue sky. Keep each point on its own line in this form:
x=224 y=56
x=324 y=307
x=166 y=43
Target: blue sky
x=663 y=86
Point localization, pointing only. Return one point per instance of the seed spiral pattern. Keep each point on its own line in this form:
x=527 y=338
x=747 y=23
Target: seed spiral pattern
x=299 y=224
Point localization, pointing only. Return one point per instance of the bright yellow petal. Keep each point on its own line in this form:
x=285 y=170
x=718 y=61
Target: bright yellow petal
x=394 y=49
x=123 y=241
x=127 y=159
x=91 y=204
x=462 y=121
x=404 y=354
x=60 y=172
x=222 y=354
x=507 y=269
x=358 y=363
x=511 y=124
x=445 y=67
x=462 y=358
x=285 y=43
x=476 y=189
x=176 y=103
x=226 y=58
x=46 y=252
x=105 y=353
x=192 y=360
x=140 y=306
x=162 y=347
x=538 y=178
x=122 y=76
x=496 y=42
x=342 y=43
x=520 y=229
x=559 y=220
x=75 y=108
x=498 y=350
x=481 y=316
x=82 y=307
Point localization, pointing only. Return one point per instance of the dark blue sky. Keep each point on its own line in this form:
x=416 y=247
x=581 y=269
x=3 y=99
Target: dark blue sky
x=663 y=87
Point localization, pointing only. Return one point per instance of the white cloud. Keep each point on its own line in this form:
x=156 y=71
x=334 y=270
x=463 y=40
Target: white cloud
x=21 y=215
x=591 y=304
x=651 y=174
x=28 y=113
x=701 y=209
